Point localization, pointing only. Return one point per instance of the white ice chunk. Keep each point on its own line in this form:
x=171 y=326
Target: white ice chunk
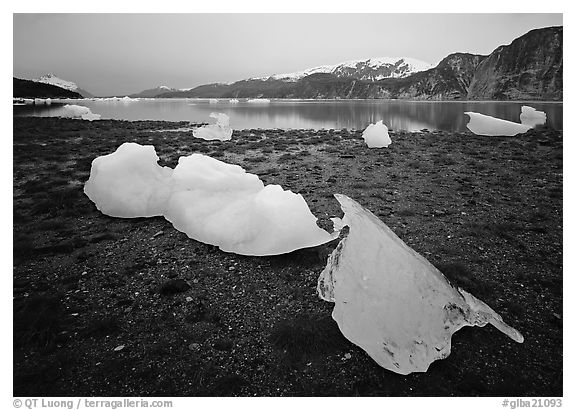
x=128 y=183
x=219 y=131
x=219 y=203
x=337 y=224
x=90 y=116
x=259 y=101
x=233 y=101
x=209 y=200
x=376 y=135
x=79 y=111
x=481 y=124
x=391 y=301
x=213 y=101
x=531 y=117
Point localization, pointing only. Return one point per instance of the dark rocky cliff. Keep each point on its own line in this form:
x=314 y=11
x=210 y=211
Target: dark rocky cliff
x=529 y=68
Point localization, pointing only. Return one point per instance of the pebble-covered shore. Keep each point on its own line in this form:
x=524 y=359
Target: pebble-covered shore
x=131 y=307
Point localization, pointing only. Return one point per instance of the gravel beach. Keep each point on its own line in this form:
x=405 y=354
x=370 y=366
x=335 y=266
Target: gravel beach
x=131 y=307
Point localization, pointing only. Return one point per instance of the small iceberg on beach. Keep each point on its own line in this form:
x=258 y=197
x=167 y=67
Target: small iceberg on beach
x=207 y=199
x=219 y=131
x=79 y=111
x=530 y=116
x=233 y=101
x=213 y=101
x=128 y=182
x=376 y=135
x=391 y=301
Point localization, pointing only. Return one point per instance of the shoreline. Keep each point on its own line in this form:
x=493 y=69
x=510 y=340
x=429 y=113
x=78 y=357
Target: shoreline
x=193 y=320
x=298 y=99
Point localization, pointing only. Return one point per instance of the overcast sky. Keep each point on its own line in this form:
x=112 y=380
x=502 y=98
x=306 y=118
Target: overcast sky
x=118 y=54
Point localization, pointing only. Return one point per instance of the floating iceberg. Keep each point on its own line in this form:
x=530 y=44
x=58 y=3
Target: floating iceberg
x=233 y=101
x=376 y=135
x=219 y=131
x=531 y=117
x=391 y=301
x=259 y=101
x=79 y=111
x=209 y=200
x=213 y=101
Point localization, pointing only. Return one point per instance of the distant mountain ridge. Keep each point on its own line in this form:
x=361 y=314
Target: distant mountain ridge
x=33 y=89
x=531 y=67
x=67 y=85
x=154 y=92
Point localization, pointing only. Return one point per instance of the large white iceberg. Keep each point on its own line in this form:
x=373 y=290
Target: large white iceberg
x=376 y=135
x=530 y=116
x=79 y=111
x=209 y=200
x=221 y=204
x=219 y=131
x=391 y=301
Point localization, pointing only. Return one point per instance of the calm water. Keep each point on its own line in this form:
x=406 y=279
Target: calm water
x=306 y=114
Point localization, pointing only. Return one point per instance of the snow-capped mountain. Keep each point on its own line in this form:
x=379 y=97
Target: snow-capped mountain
x=371 y=69
x=153 y=92
x=67 y=85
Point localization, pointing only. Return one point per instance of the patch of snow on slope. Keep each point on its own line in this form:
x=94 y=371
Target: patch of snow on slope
x=412 y=66
x=53 y=80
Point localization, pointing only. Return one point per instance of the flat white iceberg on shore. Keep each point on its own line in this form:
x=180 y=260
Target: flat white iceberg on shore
x=219 y=131
x=391 y=301
x=209 y=200
x=79 y=111
x=376 y=135
x=481 y=124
